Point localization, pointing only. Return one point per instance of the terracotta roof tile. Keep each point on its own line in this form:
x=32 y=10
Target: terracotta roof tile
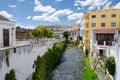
x=73 y=30
x=106 y=31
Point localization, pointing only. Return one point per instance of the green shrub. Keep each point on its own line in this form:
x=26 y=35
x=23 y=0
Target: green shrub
x=11 y=75
x=45 y=64
x=110 y=65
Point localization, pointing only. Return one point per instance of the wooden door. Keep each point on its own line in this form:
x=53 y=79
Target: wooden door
x=6 y=37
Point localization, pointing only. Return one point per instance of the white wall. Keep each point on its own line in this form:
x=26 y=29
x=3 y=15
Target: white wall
x=8 y=25
x=115 y=51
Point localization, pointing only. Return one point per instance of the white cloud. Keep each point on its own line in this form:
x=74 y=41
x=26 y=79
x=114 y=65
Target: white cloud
x=117 y=6
x=52 y=17
x=59 y=0
x=79 y=8
x=76 y=16
x=45 y=17
x=91 y=4
x=62 y=12
x=37 y=2
x=108 y=4
x=91 y=7
x=40 y=7
x=29 y=17
x=78 y=21
x=40 y=17
x=6 y=14
x=76 y=4
x=12 y=6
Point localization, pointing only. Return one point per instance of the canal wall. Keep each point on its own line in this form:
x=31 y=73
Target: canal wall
x=21 y=58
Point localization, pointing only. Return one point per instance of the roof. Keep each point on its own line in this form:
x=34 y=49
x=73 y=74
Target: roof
x=3 y=18
x=106 y=31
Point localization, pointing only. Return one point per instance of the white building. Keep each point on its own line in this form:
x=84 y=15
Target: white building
x=106 y=43
x=7 y=32
x=59 y=29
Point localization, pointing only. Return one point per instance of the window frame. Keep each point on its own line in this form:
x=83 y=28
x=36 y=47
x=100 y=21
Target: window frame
x=113 y=24
x=103 y=16
x=93 y=16
x=113 y=15
x=103 y=24
x=93 y=24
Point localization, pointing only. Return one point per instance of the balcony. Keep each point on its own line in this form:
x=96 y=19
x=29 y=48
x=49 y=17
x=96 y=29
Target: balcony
x=105 y=43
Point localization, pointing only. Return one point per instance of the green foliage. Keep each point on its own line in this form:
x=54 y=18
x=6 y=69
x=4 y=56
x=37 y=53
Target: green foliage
x=40 y=70
x=18 y=27
x=11 y=75
x=88 y=72
x=56 y=36
x=42 y=31
x=48 y=62
x=66 y=35
x=110 y=65
x=27 y=35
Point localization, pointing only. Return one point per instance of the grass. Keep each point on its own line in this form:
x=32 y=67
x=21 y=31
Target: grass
x=69 y=45
x=88 y=74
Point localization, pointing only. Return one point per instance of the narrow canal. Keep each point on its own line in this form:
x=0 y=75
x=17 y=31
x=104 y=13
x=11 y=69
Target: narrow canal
x=71 y=67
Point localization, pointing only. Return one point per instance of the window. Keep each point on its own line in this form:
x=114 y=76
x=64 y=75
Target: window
x=100 y=37
x=113 y=24
x=109 y=37
x=102 y=24
x=93 y=16
x=113 y=15
x=103 y=16
x=93 y=24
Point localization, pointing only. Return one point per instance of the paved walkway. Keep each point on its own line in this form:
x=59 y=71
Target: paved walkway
x=71 y=67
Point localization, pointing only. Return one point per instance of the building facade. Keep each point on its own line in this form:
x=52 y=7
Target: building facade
x=72 y=29
x=100 y=19
x=7 y=32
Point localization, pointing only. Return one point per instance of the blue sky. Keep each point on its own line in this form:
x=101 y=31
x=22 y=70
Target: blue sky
x=30 y=13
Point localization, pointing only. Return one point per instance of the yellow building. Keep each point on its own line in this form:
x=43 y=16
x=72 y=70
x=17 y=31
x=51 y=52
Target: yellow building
x=100 y=19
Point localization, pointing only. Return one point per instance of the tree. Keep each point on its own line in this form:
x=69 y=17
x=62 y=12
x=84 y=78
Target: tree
x=110 y=65
x=42 y=31
x=66 y=35
x=18 y=27
x=28 y=35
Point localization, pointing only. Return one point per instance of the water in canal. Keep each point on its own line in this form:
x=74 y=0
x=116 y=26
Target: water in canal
x=71 y=67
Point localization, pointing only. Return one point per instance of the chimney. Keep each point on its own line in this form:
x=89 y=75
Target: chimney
x=98 y=7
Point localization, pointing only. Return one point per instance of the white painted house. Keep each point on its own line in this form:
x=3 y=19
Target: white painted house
x=7 y=32
x=107 y=48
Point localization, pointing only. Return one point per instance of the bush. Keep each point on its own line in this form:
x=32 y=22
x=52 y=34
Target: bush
x=11 y=75
x=45 y=64
x=110 y=65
